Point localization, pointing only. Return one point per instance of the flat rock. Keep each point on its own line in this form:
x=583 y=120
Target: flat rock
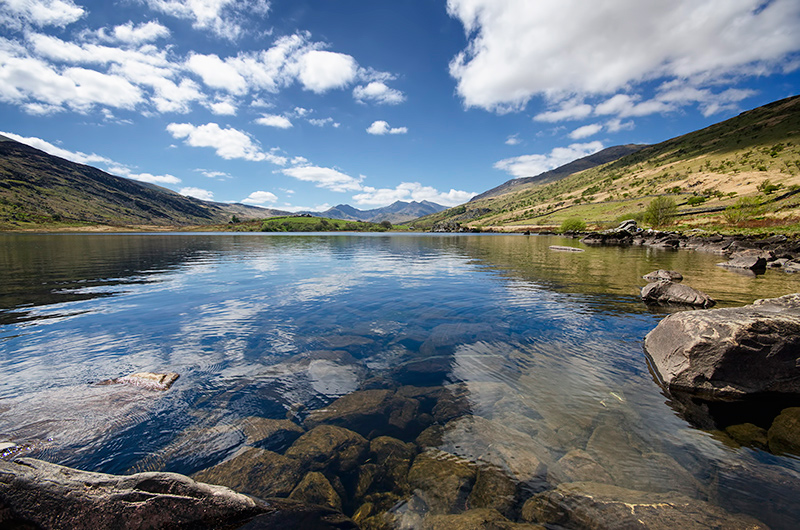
x=559 y=248
x=748 y=259
x=668 y=292
x=662 y=274
x=43 y=495
x=730 y=352
x=593 y=506
x=146 y=380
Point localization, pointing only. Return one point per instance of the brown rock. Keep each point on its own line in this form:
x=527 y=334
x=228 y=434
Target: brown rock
x=315 y=489
x=443 y=481
x=662 y=274
x=271 y=434
x=328 y=448
x=477 y=519
x=255 y=472
x=784 y=434
x=368 y=412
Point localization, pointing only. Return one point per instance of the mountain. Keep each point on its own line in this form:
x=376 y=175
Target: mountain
x=753 y=158
x=36 y=187
x=396 y=213
x=601 y=157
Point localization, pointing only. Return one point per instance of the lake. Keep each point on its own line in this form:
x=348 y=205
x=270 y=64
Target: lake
x=490 y=352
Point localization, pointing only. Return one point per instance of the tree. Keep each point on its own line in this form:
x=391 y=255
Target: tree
x=386 y=224
x=660 y=211
x=573 y=224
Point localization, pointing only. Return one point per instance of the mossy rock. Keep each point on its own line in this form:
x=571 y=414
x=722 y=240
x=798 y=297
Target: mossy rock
x=784 y=434
x=316 y=489
x=255 y=472
x=330 y=449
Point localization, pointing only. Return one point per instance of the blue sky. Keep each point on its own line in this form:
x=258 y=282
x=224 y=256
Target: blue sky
x=305 y=104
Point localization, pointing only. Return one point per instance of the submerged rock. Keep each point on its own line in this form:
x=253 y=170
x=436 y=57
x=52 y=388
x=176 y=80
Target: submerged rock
x=316 y=489
x=328 y=448
x=667 y=292
x=442 y=481
x=661 y=274
x=38 y=494
x=593 y=506
x=784 y=434
x=255 y=472
x=146 y=380
x=477 y=519
x=725 y=353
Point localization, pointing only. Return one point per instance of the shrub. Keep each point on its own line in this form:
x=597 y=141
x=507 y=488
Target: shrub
x=573 y=224
x=697 y=199
x=660 y=211
x=768 y=187
x=743 y=210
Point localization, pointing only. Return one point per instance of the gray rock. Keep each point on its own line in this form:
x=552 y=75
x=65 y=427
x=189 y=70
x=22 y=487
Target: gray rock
x=44 y=495
x=667 y=292
x=255 y=472
x=593 y=506
x=146 y=380
x=754 y=260
x=731 y=352
x=791 y=266
x=578 y=466
x=661 y=274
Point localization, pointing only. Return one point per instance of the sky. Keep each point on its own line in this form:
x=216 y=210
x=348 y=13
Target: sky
x=306 y=104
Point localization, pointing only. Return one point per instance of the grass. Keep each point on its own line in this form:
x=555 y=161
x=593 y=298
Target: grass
x=299 y=224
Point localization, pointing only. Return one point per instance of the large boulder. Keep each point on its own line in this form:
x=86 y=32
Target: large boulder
x=256 y=472
x=38 y=494
x=593 y=506
x=665 y=292
x=730 y=352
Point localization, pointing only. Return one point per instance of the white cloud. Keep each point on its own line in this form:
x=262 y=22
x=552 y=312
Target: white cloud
x=131 y=34
x=197 y=193
x=520 y=49
x=47 y=147
x=18 y=13
x=144 y=177
x=411 y=191
x=617 y=125
x=273 y=120
x=569 y=110
x=225 y=107
x=378 y=92
x=325 y=177
x=513 y=140
x=260 y=197
x=586 y=131
x=322 y=122
x=320 y=71
x=532 y=165
x=222 y=17
x=381 y=127
x=229 y=143
x=217 y=175
x=217 y=73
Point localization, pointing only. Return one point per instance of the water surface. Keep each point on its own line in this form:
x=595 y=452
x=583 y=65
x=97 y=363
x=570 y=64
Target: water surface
x=545 y=346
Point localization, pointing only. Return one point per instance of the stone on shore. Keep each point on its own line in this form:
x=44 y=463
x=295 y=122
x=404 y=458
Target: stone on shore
x=37 y=494
x=666 y=292
x=754 y=260
x=730 y=352
x=593 y=506
x=146 y=380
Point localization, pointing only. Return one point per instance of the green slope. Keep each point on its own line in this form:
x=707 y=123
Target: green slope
x=717 y=165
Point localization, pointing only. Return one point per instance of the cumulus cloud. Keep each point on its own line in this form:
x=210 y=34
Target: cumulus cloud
x=411 y=191
x=378 y=92
x=260 y=197
x=229 y=143
x=217 y=73
x=513 y=140
x=322 y=122
x=381 y=127
x=273 y=120
x=133 y=34
x=586 y=131
x=325 y=177
x=532 y=165
x=47 y=147
x=197 y=193
x=553 y=48
x=20 y=13
x=224 y=18
x=320 y=70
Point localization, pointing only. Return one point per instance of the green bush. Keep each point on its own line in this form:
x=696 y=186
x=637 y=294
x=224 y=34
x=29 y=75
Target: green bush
x=573 y=224
x=768 y=187
x=660 y=211
x=697 y=199
x=743 y=210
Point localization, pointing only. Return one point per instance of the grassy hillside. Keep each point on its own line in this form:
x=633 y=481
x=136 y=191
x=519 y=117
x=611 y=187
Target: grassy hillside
x=38 y=190
x=755 y=156
x=301 y=223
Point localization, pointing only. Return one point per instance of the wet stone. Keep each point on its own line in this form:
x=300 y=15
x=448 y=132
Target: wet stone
x=393 y=458
x=477 y=519
x=431 y=437
x=316 y=489
x=784 y=434
x=493 y=489
x=256 y=472
x=275 y=435
x=749 y=435
x=593 y=506
x=145 y=380
x=328 y=448
x=578 y=466
x=442 y=481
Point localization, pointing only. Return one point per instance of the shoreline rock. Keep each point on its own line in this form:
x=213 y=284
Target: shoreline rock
x=665 y=292
x=731 y=352
x=146 y=380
